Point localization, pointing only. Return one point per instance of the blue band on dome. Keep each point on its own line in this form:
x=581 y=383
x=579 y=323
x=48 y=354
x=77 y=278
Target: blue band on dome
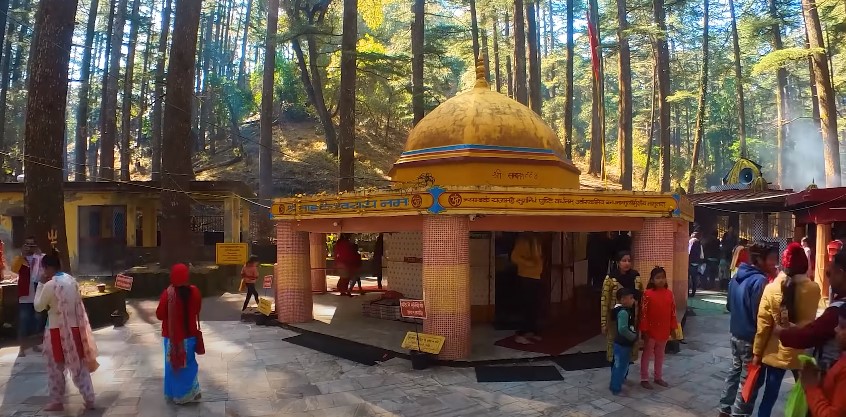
x=478 y=148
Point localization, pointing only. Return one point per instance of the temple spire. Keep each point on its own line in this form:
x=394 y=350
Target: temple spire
x=481 y=75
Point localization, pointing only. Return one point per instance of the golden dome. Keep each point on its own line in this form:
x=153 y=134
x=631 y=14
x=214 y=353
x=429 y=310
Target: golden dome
x=479 y=137
x=482 y=116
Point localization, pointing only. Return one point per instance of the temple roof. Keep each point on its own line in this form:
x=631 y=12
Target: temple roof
x=493 y=138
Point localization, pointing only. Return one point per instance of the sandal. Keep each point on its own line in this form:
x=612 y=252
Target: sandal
x=646 y=384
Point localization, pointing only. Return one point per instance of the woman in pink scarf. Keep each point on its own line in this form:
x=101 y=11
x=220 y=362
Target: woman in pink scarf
x=68 y=341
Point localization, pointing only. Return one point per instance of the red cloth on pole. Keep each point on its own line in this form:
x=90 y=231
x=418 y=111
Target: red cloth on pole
x=594 y=48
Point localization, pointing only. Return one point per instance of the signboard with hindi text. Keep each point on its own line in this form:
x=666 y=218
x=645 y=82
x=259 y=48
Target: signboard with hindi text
x=123 y=282
x=265 y=306
x=428 y=343
x=412 y=309
x=268 y=282
x=231 y=253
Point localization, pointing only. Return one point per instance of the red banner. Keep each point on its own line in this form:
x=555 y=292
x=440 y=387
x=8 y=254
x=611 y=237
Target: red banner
x=594 y=47
x=123 y=282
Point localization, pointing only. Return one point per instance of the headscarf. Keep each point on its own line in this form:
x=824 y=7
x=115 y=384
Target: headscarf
x=794 y=259
x=176 y=310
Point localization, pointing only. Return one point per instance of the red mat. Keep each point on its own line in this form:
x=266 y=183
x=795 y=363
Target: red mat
x=552 y=344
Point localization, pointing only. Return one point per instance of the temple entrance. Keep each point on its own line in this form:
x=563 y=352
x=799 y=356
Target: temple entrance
x=565 y=293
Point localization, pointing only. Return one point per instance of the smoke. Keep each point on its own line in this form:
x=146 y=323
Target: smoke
x=803 y=156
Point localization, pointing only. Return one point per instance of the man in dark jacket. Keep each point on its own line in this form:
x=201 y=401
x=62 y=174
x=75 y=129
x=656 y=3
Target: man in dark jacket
x=744 y=297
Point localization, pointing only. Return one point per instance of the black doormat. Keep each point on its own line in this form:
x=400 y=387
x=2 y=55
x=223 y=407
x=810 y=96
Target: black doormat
x=517 y=373
x=580 y=361
x=342 y=348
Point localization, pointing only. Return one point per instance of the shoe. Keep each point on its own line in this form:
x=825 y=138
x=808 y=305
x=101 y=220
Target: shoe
x=21 y=353
x=522 y=340
x=89 y=406
x=54 y=407
x=646 y=385
x=37 y=348
x=662 y=383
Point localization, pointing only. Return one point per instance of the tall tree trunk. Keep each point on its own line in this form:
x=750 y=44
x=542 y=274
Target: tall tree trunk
x=207 y=102
x=650 y=143
x=104 y=92
x=145 y=71
x=782 y=109
x=700 y=107
x=242 y=69
x=662 y=64
x=497 y=72
x=5 y=75
x=509 y=75
x=417 y=59
x=568 y=85
x=176 y=155
x=44 y=196
x=319 y=101
x=81 y=142
x=597 y=131
x=624 y=125
x=158 y=95
x=521 y=93
x=346 y=100
x=738 y=74
x=815 y=103
x=550 y=29
x=109 y=118
x=534 y=57
x=266 y=140
x=825 y=95
x=474 y=31
x=485 y=52
x=126 y=110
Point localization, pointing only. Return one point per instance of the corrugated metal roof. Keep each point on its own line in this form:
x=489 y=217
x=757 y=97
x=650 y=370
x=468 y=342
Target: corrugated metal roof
x=738 y=196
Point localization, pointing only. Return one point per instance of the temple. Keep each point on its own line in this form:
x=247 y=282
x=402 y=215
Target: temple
x=474 y=171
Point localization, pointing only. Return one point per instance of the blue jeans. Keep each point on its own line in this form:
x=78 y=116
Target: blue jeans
x=770 y=377
x=731 y=401
x=620 y=367
x=29 y=321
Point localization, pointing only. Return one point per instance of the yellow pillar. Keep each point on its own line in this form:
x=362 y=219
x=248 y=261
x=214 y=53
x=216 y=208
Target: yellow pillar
x=293 y=274
x=131 y=223
x=244 y=227
x=149 y=224
x=446 y=283
x=317 y=252
x=231 y=220
x=823 y=238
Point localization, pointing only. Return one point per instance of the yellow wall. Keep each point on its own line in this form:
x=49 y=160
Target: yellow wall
x=11 y=204
x=498 y=173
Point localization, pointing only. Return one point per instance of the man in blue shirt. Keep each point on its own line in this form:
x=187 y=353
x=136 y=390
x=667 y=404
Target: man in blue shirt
x=744 y=297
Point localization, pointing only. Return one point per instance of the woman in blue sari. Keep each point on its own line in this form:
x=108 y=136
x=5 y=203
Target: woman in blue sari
x=179 y=311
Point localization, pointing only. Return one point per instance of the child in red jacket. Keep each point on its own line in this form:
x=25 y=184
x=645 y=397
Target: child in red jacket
x=829 y=398
x=658 y=321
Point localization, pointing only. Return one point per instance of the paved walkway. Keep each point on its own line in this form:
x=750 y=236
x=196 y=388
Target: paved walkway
x=251 y=371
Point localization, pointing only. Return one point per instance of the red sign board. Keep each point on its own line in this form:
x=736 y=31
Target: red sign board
x=123 y=282
x=268 y=282
x=412 y=309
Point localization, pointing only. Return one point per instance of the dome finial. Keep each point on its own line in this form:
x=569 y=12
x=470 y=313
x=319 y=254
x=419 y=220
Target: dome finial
x=481 y=74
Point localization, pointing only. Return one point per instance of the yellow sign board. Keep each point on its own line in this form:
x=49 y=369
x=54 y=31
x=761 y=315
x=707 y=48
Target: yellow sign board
x=554 y=202
x=231 y=253
x=265 y=306
x=429 y=343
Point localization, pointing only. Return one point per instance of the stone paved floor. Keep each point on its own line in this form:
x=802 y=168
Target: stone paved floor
x=251 y=371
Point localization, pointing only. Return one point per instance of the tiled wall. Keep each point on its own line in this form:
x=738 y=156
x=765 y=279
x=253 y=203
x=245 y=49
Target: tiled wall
x=407 y=277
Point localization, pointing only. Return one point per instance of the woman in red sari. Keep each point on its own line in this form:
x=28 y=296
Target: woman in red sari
x=179 y=311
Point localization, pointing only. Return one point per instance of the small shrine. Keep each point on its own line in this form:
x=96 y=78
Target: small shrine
x=478 y=167
x=747 y=203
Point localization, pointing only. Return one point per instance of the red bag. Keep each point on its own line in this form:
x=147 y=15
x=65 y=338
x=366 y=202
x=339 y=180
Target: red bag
x=751 y=381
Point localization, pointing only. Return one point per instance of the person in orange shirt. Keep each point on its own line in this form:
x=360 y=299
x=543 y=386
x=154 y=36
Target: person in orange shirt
x=249 y=273
x=658 y=321
x=828 y=398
